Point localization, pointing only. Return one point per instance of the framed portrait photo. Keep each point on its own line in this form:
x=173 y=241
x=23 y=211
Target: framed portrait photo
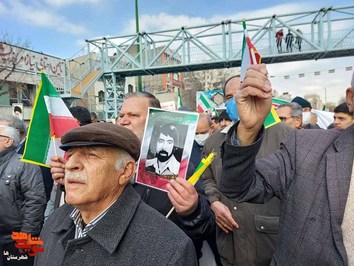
x=166 y=147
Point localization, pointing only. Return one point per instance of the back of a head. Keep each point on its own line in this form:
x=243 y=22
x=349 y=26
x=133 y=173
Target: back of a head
x=94 y=117
x=224 y=116
x=153 y=101
x=81 y=114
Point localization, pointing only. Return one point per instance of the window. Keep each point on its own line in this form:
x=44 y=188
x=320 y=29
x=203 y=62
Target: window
x=101 y=96
x=130 y=88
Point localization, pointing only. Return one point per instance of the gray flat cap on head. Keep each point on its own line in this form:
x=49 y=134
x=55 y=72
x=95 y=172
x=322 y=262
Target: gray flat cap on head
x=102 y=134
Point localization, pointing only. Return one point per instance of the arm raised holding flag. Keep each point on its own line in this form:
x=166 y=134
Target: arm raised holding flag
x=254 y=101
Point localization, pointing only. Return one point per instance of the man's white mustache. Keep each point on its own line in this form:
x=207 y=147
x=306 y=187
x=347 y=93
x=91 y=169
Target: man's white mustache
x=78 y=176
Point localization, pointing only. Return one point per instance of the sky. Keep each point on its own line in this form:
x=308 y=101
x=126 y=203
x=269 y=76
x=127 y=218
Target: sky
x=59 y=28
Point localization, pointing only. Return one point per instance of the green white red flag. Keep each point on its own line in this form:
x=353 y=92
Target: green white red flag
x=203 y=103
x=49 y=121
x=250 y=56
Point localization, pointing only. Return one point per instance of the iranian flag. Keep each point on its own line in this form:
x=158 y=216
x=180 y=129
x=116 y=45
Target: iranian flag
x=203 y=103
x=50 y=119
x=250 y=56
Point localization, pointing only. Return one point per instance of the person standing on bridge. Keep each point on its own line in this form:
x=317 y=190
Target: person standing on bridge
x=279 y=38
x=298 y=39
x=289 y=38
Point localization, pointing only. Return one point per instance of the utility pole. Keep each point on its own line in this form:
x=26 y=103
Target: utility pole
x=140 y=85
x=325 y=89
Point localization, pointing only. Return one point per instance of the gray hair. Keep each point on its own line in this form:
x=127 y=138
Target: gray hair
x=153 y=101
x=296 y=109
x=122 y=158
x=11 y=133
x=207 y=117
x=15 y=122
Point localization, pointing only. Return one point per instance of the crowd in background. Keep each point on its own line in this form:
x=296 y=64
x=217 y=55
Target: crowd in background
x=219 y=218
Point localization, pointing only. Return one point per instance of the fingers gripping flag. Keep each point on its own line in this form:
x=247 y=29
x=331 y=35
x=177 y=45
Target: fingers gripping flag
x=250 y=56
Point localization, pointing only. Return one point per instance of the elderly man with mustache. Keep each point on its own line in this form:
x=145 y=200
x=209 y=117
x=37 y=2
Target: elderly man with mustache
x=104 y=221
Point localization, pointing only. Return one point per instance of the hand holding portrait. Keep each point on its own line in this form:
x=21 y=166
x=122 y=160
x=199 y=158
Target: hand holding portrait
x=183 y=196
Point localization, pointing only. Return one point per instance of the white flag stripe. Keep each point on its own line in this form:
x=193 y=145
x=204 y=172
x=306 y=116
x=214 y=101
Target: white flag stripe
x=245 y=63
x=56 y=106
x=54 y=150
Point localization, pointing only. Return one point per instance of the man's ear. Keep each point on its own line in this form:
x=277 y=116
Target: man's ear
x=128 y=172
x=8 y=142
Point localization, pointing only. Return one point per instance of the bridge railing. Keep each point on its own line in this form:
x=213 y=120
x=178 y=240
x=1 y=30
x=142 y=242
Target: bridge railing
x=150 y=53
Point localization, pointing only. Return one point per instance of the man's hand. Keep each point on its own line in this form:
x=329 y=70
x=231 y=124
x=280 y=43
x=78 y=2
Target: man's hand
x=57 y=165
x=183 y=196
x=223 y=217
x=254 y=101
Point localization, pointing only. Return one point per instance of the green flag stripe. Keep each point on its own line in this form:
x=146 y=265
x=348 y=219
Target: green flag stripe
x=37 y=143
x=205 y=101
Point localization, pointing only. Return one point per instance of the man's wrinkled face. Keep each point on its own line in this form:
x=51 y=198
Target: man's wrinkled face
x=133 y=115
x=90 y=176
x=164 y=147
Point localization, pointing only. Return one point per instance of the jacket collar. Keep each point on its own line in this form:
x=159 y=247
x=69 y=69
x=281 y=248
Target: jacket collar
x=346 y=140
x=6 y=154
x=110 y=230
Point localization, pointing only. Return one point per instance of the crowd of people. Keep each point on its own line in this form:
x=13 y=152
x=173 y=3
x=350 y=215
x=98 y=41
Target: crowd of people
x=283 y=195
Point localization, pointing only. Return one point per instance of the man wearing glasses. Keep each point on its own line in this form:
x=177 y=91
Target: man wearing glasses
x=22 y=196
x=290 y=114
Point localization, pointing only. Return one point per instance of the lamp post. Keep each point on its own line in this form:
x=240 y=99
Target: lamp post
x=138 y=46
x=325 y=103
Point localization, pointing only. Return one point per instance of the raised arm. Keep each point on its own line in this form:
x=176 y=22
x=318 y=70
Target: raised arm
x=254 y=100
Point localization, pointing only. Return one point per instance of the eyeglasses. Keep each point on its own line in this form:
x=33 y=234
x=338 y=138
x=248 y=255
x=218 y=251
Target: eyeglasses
x=284 y=118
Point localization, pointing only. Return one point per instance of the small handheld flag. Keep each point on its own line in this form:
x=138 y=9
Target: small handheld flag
x=50 y=120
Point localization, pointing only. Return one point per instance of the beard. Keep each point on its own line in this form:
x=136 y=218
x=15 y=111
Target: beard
x=163 y=156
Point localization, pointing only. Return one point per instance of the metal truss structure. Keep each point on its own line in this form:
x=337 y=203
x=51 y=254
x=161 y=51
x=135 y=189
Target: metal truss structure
x=325 y=33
